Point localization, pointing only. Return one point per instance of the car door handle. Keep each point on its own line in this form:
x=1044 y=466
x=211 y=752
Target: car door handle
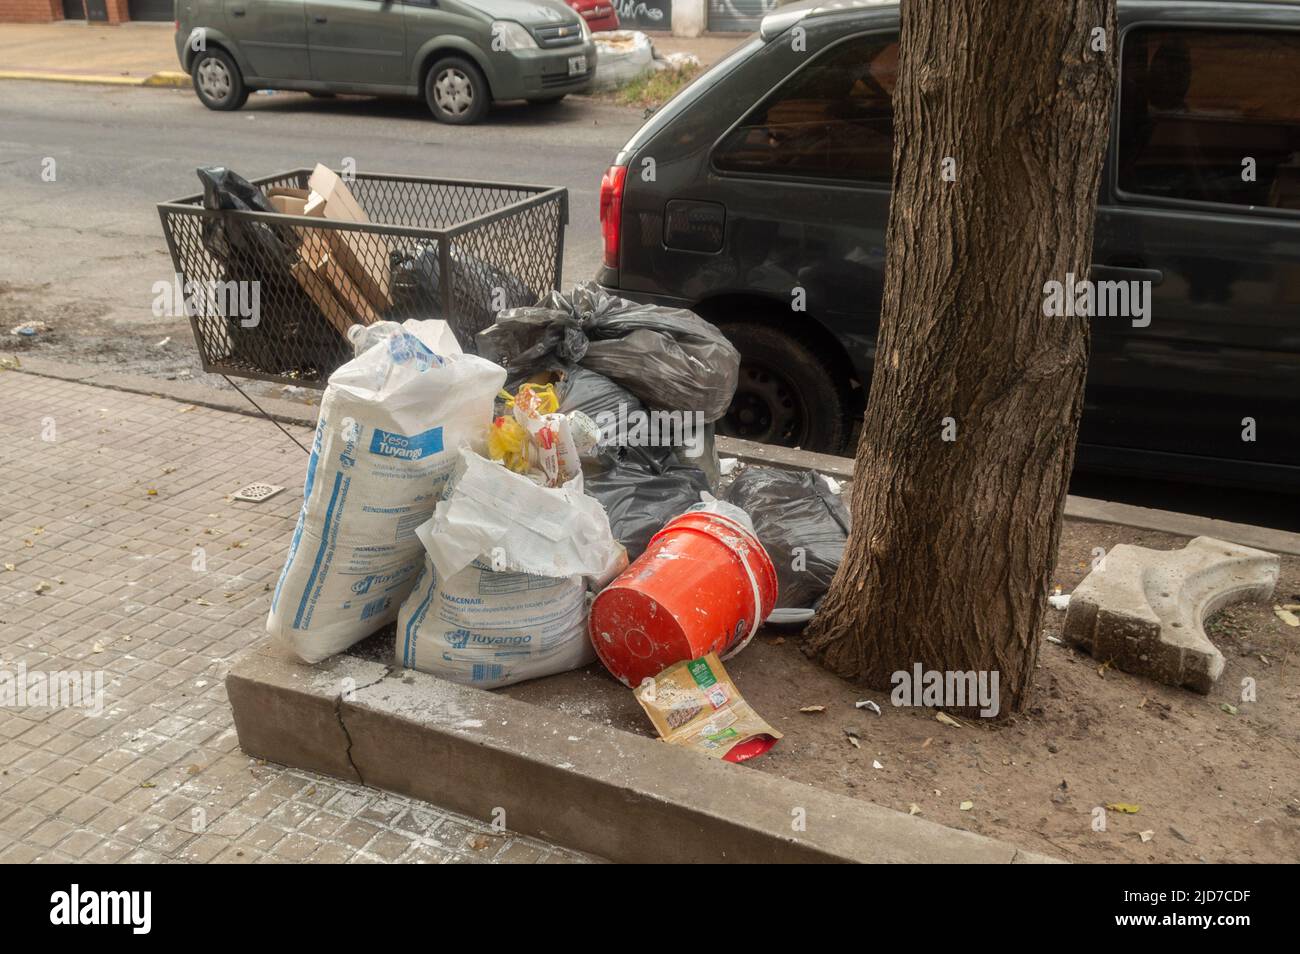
x=1101 y=273
x=237 y=12
x=321 y=19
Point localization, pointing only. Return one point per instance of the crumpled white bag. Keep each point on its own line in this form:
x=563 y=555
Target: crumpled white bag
x=502 y=597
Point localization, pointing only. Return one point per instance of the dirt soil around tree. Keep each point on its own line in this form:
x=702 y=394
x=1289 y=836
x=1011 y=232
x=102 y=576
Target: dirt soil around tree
x=1209 y=785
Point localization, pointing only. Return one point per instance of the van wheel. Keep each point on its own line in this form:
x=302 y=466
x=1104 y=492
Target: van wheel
x=217 y=81
x=457 y=92
x=785 y=394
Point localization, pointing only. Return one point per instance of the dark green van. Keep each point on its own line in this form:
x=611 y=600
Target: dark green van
x=459 y=55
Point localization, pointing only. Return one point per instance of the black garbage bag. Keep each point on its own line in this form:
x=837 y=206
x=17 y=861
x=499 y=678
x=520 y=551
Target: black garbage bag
x=289 y=335
x=477 y=286
x=640 y=500
x=795 y=511
x=668 y=357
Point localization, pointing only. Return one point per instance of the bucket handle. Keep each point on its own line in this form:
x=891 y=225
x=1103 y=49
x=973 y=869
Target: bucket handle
x=758 y=604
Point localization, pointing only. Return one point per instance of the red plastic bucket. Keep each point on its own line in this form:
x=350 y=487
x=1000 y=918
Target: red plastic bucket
x=704 y=584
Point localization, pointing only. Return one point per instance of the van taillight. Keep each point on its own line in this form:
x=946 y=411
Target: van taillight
x=611 y=211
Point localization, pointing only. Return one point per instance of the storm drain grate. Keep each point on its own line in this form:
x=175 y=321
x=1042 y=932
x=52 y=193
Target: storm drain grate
x=256 y=493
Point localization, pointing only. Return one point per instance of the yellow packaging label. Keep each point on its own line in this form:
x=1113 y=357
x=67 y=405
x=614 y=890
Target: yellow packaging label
x=694 y=703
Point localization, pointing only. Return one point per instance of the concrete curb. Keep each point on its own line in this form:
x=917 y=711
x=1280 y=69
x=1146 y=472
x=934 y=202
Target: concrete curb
x=1076 y=508
x=563 y=778
x=166 y=78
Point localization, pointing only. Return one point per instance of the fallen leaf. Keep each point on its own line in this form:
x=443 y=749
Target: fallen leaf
x=1143 y=703
x=148 y=785
x=947 y=720
x=478 y=842
x=876 y=765
x=812 y=709
x=1146 y=835
x=10 y=567
x=867 y=704
x=1125 y=807
x=1229 y=708
x=914 y=809
x=966 y=806
x=151 y=492
x=926 y=743
x=853 y=741
x=780 y=640
x=97 y=648
x=1286 y=616
x=41 y=587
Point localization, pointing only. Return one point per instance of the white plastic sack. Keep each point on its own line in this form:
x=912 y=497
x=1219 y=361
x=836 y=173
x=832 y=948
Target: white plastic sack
x=391 y=422
x=621 y=56
x=503 y=595
x=519 y=525
x=488 y=629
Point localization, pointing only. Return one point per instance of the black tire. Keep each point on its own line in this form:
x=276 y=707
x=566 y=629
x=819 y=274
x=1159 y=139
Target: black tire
x=546 y=100
x=217 y=81
x=786 y=395
x=456 y=91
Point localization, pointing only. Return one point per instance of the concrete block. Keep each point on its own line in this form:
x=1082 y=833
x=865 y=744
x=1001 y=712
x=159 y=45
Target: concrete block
x=1143 y=610
x=563 y=778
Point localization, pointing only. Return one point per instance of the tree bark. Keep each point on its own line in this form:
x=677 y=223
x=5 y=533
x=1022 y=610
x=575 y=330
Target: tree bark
x=954 y=540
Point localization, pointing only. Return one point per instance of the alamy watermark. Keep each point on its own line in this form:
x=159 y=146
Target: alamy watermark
x=950 y=689
x=653 y=428
x=61 y=689
x=1085 y=298
x=178 y=299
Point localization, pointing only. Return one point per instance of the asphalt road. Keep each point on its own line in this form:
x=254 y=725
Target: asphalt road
x=82 y=252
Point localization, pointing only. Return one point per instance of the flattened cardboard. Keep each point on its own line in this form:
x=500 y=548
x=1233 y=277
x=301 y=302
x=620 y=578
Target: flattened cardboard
x=364 y=255
x=316 y=252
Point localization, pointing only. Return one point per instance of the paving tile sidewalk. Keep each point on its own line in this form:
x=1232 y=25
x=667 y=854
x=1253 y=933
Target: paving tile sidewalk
x=129 y=559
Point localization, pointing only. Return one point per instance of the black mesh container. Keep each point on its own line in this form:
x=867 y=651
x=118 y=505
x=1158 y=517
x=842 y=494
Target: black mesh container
x=434 y=248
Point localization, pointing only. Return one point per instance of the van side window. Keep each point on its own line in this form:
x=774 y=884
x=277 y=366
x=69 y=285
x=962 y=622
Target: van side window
x=1211 y=115
x=832 y=119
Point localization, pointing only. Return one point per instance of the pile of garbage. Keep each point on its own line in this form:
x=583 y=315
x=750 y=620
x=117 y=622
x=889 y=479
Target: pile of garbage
x=549 y=501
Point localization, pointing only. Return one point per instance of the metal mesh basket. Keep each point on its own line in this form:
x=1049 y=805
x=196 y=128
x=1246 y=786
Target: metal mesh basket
x=271 y=296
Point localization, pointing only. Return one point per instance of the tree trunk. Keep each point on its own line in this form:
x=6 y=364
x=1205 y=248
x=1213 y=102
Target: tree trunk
x=968 y=438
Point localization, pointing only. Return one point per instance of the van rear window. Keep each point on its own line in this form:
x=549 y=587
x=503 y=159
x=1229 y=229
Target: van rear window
x=833 y=119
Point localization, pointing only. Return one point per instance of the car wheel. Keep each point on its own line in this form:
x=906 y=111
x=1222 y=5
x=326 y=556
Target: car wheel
x=785 y=394
x=217 y=81
x=457 y=91
x=546 y=100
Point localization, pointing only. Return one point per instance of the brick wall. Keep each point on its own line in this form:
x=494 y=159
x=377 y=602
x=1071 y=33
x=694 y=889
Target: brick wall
x=30 y=11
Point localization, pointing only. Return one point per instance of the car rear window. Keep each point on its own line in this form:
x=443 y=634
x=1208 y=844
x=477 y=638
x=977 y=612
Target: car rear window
x=1211 y=116
x=833 y=118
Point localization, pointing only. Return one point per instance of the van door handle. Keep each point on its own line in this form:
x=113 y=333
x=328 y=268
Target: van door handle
x=1101 y=273
x=321 y=19
x=237 y=12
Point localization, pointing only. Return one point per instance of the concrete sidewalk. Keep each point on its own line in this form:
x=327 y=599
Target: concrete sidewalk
x=122 y=554
x=133 y=54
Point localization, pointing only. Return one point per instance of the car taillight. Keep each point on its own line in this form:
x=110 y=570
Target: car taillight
x=611 y=211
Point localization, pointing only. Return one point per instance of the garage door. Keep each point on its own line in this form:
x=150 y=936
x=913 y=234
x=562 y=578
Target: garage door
x=738 y=16
x=150 y=9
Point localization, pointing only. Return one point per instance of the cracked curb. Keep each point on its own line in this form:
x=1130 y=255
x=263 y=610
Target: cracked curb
x=563 y=778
